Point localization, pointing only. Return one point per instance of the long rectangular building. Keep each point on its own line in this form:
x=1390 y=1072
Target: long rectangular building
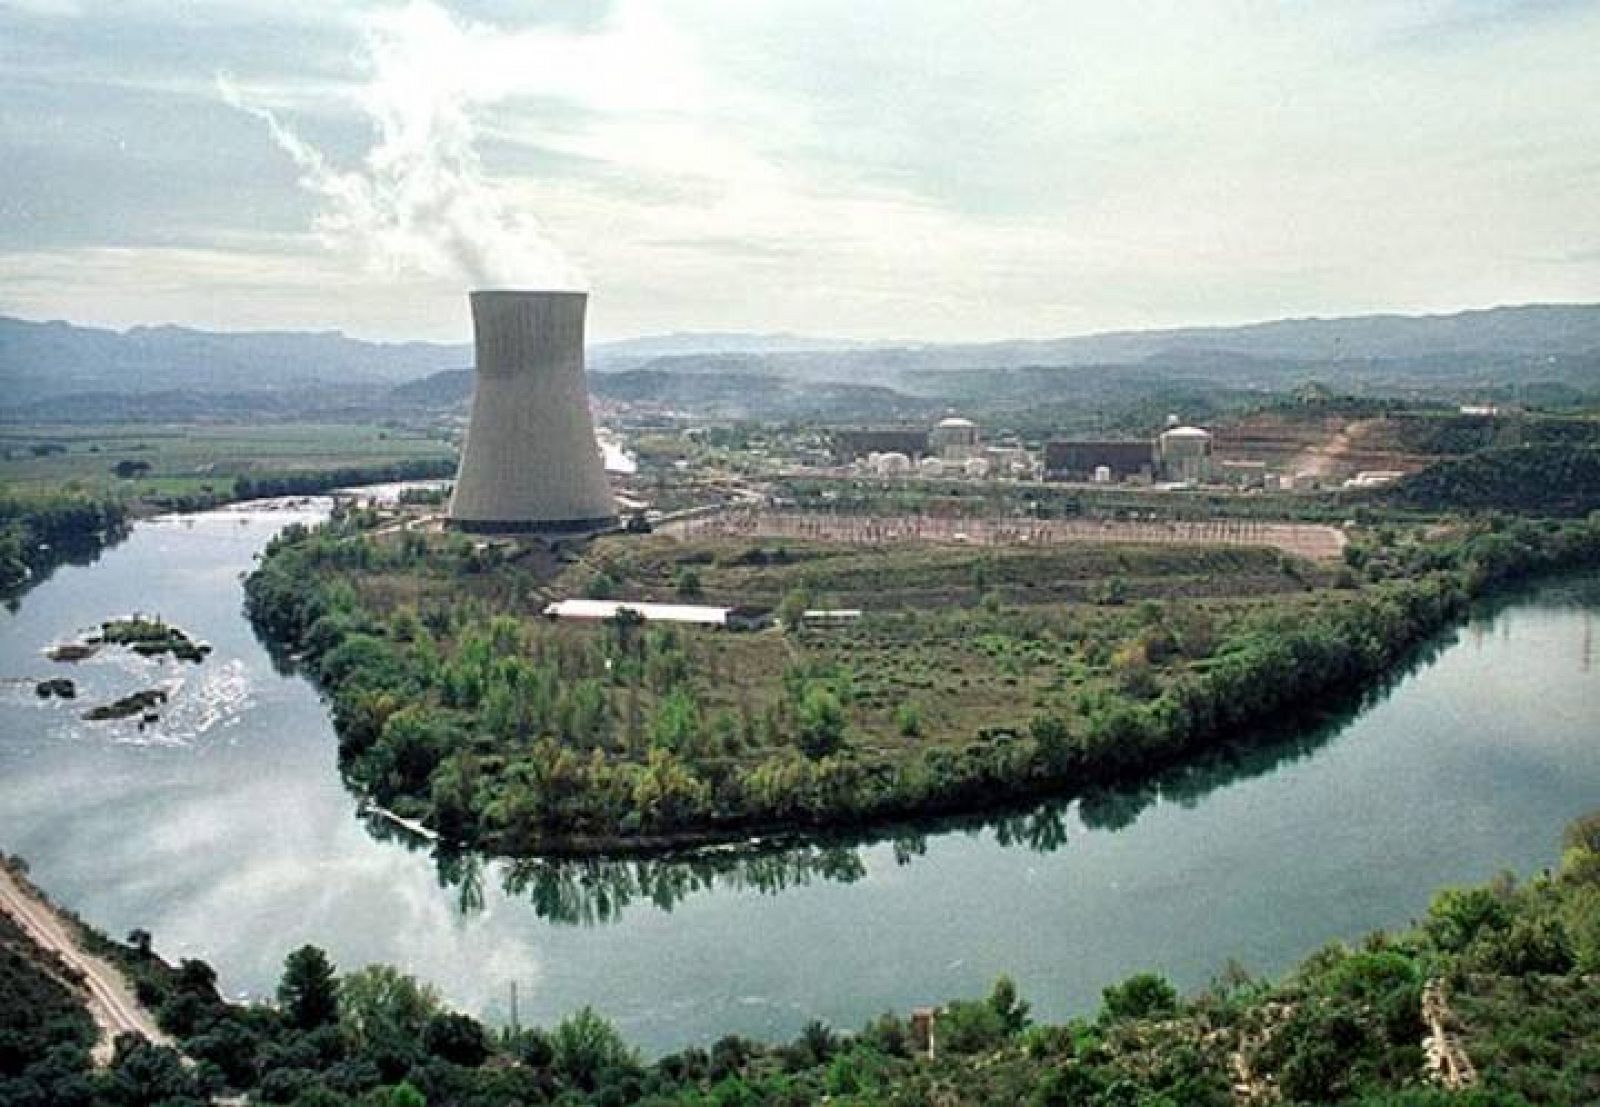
x=733 y=618
x=850 y=445
x=1078 y=460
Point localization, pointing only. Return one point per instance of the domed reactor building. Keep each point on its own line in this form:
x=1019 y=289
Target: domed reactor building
x=530 y=464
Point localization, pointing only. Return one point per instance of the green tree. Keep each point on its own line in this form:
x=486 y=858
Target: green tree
x=687 y=583
x=908 y=720
x=584 y=1046
x=1458 y=915
x=380 y=1004
x=1139 y=997
x=821 y=722
x=404 y=1095
x=793 y=607
x=457 y=1038
x=1011 y=1007
x=308 y=992
x=677 y=723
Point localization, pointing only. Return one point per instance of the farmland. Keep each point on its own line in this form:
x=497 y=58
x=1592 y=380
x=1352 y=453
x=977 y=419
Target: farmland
x=175 y=460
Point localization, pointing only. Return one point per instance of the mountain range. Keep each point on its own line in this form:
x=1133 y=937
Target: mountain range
x=1555 y=344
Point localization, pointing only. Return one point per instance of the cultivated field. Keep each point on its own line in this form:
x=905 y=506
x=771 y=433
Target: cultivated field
x=186 y=458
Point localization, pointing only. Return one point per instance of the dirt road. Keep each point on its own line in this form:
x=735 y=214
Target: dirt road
x=110 y=999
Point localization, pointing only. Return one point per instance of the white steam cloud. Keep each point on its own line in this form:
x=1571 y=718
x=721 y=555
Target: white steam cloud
x=419 y=200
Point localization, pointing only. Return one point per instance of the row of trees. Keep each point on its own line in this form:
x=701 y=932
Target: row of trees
x=312 y=482
x=36 y=527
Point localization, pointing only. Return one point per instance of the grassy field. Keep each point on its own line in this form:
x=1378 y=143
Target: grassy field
x=195 y=457
x=955 y=641
x=911 y=575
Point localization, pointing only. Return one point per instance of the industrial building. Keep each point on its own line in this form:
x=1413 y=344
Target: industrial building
x=890 y=464
x=952 y=448
x=1123 y=459
x=1184 y=454
x=530 y=464
x=1178 y=453
x=857 y=445
x=954 y=439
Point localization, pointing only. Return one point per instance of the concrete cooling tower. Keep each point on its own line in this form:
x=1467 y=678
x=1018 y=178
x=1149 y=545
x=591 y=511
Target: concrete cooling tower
x=530 y=464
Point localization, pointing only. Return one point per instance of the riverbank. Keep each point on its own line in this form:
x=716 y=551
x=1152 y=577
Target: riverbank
x=1492 y=1001
x=62 y=509
x=506 y=733
x=106 y=994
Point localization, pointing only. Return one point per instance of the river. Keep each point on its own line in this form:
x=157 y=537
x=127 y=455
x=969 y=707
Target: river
x=224 y=829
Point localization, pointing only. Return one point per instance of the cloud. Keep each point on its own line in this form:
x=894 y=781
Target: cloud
x=420 y=200
x=908 y=168
x=47 y=8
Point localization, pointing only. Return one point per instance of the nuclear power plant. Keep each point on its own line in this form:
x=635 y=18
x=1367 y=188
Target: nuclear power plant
x=530 y=464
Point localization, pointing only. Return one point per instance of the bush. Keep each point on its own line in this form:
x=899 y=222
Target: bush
x=1139 y=997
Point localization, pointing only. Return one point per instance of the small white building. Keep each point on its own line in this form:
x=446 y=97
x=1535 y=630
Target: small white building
x=733 y=618
x=1374 y=478
x=890 y=464
x=830 y=617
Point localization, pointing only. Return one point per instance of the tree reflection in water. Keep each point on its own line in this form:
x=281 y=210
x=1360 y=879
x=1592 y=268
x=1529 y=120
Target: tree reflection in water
x=598 y=890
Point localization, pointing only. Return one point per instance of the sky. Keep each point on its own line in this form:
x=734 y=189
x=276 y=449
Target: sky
x=922 y=170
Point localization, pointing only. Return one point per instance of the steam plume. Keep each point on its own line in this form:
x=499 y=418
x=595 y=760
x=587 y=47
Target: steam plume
x=419 y=200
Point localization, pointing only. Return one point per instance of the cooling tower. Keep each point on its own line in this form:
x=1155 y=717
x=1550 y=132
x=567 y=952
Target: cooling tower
x=530 y=464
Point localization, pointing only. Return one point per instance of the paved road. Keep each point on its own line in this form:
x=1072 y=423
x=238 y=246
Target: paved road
x=110 y=1000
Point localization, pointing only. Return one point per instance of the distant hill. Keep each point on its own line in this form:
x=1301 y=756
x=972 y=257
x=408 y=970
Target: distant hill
x=38 y=360
x=1545 y=344
x=1548 y=345
x=608 y=354
x=449 y=388
x=733 y=394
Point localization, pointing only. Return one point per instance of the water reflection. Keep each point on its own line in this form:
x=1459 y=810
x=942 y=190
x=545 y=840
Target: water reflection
x=81 y=550
x=241 y=842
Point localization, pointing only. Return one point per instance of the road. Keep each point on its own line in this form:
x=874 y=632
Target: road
x=109 y=998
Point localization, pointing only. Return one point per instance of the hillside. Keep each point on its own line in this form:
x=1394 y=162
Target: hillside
x=1549 y=346
x=39 y=360
x=1340 y=438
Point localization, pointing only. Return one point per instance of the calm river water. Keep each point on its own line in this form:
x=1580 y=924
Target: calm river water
x=224 y=830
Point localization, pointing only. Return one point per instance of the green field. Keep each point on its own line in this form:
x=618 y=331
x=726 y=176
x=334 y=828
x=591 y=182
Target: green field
x=953 y=640
x=196 y=458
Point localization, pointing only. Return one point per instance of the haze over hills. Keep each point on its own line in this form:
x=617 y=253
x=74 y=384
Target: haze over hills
x=1497 y=346
x=56 y=358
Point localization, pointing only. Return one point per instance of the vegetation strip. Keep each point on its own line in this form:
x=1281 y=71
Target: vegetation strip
x=457 y=706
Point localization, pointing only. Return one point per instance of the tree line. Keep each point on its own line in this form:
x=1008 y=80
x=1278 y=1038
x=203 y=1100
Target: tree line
x=36 y=527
